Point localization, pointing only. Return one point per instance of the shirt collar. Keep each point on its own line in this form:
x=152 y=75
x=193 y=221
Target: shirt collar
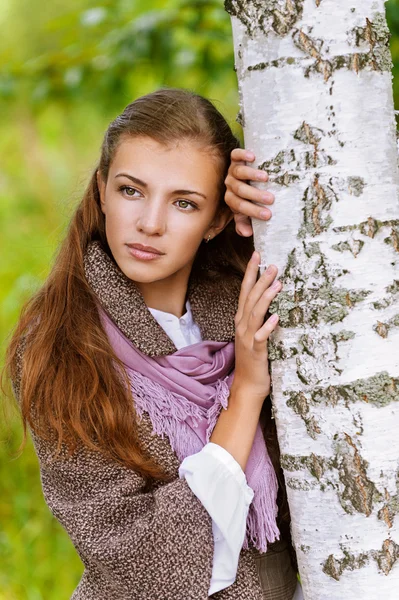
x=213 y=304
x=187 y=317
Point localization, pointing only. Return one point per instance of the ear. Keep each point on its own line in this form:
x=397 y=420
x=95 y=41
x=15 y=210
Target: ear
x=221 y=220
x=101 y=189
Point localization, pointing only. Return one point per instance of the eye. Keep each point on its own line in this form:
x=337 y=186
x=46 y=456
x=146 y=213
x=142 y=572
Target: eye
x=128 y=189
x=185 y=204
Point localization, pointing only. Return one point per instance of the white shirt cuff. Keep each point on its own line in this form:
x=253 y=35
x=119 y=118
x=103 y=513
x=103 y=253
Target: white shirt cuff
x=218 y=481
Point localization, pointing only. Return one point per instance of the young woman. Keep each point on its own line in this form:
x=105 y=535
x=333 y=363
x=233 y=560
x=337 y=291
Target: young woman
x=141 y=371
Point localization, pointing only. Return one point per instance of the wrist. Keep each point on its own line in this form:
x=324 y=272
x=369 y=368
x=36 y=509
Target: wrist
x=245 y=393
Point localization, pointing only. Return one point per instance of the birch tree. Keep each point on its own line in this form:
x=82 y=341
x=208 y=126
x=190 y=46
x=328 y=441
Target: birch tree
x=316 y=107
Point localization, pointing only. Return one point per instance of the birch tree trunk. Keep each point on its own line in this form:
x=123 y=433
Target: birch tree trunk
x=316 y=108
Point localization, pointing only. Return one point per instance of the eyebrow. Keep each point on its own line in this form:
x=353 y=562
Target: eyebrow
x=144 y=185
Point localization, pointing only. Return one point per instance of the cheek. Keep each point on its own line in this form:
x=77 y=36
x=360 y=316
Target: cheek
x=188 y=226
x=120 y=215
x=185 y=234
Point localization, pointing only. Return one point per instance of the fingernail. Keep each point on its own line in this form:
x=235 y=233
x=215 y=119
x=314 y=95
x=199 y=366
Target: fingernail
x=267 y=197
x=274 y=318
x=269 y=269
x=261 y=176
x=249 y=155
x=265 y=214
x=276 y=285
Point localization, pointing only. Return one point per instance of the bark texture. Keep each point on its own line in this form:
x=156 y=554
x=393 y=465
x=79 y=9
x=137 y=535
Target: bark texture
x=317 y=110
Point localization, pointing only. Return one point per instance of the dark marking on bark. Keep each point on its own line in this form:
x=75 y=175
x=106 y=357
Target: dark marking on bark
x=300 y=405
x=289 y=165
x=316 y=465
x=369 y=227
x=310 y=135
x=311 y=346
x=385 y=559
x=379 y=390
x=343 y=336
x=317 y=199
x=383 y=328
x=372 y=50
x=391 y=505
x=293 y=164
x=393 y=239
x=278 y=62
x=356 y=185
x=326 y=67
x=312 y=48
x=393 y=291
x=345 y=472
x=387 y=556
x=354 y=246
x=374 y=36
x=299 y=484
x=394 y=288
x=359 y=491
x=323 y=302
x=277 y=351
x=335 y=567
x=256 y=15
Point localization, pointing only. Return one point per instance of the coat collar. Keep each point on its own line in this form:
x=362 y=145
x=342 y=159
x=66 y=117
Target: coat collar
x=213 y=305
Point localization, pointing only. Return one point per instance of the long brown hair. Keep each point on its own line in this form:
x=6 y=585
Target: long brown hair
x=70 y=391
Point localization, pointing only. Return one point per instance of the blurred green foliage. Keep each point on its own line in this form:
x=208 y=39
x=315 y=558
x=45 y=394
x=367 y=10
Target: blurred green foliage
x=67 y=69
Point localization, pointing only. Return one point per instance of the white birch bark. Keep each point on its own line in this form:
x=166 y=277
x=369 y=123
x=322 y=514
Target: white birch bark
x=317 y=110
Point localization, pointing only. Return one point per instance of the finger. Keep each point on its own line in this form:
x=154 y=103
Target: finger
x=242 y=154
x=258 y=289
x=240 y=171
x=259 y=310
x=263 y=334
x=246 y=208
x=243 y=225
x=248 y=192
x=248 y=282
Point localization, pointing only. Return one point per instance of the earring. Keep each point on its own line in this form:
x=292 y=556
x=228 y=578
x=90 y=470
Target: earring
x=207 y=240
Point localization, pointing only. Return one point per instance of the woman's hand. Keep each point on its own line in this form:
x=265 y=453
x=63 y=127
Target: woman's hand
x=251 y=369
x=236 y=426
x=240 y=195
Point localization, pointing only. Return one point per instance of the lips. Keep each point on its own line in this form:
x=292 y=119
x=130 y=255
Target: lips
x=143 y=248
x=141 y=252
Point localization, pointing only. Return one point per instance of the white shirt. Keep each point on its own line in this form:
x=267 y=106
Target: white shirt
x=214 y=476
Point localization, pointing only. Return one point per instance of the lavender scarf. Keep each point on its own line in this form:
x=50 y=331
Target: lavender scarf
x=183 y=394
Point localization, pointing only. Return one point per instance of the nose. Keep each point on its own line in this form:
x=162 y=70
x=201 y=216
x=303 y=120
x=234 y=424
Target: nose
x=152 y=219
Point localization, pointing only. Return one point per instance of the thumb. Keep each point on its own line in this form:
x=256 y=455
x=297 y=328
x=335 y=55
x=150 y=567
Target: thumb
x=243 y=225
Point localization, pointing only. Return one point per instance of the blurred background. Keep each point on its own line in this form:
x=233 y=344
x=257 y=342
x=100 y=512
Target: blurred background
x=66 y=70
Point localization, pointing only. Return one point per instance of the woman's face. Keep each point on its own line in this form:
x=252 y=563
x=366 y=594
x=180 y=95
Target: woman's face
x=161 y=196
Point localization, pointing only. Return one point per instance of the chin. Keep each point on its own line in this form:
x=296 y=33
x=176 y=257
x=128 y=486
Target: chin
x=145 y=273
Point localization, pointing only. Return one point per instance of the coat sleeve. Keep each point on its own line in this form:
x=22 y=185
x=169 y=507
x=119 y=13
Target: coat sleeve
x=133 y=543
x=156 y=544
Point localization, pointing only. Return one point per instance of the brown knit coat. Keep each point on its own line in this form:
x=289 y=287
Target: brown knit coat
x=135 y=543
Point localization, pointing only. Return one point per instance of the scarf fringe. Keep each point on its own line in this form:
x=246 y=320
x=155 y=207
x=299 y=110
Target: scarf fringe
x=221 y=401
x=261 y=520
x=168 y=412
